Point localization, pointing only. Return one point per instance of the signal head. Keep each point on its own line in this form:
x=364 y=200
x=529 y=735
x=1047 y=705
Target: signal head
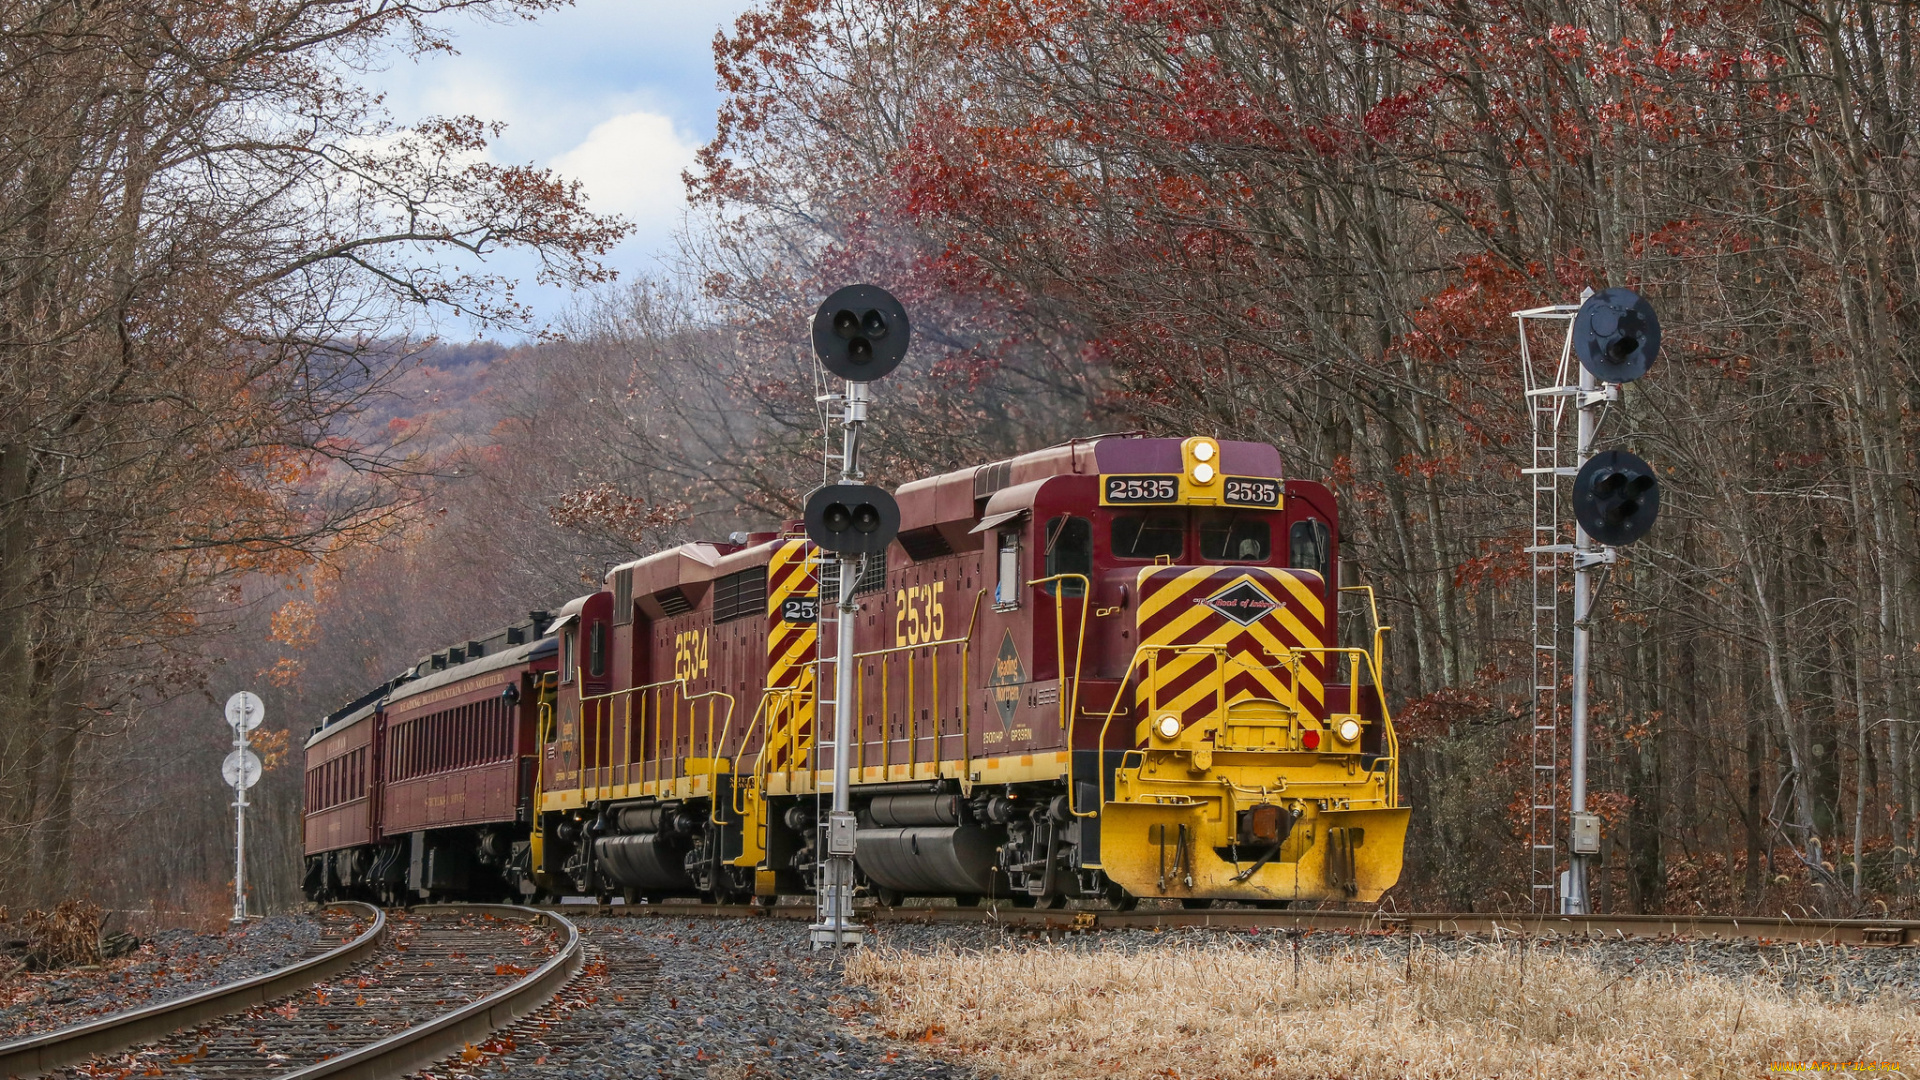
x=860 y=333
x=852 y=519
x=1616 y=497
x=1616 y=335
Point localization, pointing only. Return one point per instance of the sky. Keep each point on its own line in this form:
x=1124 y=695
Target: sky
x=617 y=94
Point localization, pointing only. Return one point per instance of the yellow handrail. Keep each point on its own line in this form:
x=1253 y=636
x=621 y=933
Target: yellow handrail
x=913 y=727
x=713 y=758
x=542 y=725
x=1373 y=608
x=965 y=641
x=762 y=712
x=1353 y=692
x=1060 y=638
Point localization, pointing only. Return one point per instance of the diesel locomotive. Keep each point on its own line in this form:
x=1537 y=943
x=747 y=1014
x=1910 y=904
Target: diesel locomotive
x=1106 y=670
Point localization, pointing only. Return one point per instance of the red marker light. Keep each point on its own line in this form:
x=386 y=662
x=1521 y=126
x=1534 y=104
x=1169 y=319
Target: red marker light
x=1310 y=740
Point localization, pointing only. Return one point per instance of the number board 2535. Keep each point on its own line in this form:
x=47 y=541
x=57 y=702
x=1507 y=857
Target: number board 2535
x=1250 y=491
x=1126 y=490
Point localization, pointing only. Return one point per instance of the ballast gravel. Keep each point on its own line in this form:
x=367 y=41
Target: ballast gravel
x=704 y=999
x=171 y=964
x=699 y=998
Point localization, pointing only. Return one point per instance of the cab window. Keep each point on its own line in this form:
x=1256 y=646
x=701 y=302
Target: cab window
x=597 y=650
x=1069 y=550
x=1309 y=546
x=1235 y=536
x=1152 y=535
x=1006 y=587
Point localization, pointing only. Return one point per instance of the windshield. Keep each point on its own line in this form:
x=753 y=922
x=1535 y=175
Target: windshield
x=1235 y=536
x=1150 y=535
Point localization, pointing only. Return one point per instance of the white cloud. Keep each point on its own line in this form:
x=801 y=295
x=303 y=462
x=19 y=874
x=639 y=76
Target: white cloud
x=630 y=165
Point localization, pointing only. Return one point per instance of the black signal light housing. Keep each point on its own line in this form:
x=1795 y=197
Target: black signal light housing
x=852 y=519
x=1616 y=497
x=1616 y=335
x=860 y=333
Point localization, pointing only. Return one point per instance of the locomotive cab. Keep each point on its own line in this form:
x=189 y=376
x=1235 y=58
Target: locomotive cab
x=1182 y=605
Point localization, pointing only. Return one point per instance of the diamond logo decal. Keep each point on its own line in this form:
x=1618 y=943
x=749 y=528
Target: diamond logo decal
x=1243 y=601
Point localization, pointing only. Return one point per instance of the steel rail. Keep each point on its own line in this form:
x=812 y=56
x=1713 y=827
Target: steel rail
x=1868 y=932
x=423 y=1044
x=71 y=1045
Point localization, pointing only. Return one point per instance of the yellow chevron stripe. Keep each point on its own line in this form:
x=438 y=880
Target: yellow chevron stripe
x=1308 y=598
x=788 y=583
x=797 y=654
x=1167 y=589
x=1274 y=646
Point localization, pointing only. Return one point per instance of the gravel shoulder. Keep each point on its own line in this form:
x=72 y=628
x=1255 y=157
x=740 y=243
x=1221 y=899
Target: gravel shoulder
x=173 y=963
x=708 y=999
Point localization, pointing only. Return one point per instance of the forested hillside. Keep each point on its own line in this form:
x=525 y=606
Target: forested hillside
x=1302 y=224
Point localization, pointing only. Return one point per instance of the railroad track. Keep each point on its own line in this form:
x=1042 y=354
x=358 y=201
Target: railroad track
x=408 y=990
x=1881 y=932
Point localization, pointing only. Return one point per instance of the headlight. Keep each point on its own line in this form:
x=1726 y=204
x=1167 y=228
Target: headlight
x=1349 y=730
x=1203 y=451
x=1203 y=473
x=1168 y=726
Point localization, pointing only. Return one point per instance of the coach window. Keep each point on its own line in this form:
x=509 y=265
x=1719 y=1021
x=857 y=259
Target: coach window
x=1069 y=551
x=597 y=650
x=1236 y=536
x=1309 y=546
x=1006 y=590
x=1155 y=535
x=566 y=654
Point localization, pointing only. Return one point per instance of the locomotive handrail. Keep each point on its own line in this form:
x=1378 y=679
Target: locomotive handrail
x=713 y=759
x=1060 y=636
x=542 y=727
x=965 y=641
x=1353 y=697
x=746 y=736
x=1373 y=610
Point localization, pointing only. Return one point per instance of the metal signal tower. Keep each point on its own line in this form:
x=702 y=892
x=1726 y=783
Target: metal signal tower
x=860 y=334
x=1612 y=336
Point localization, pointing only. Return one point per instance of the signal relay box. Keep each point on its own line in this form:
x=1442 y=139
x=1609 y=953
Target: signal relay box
x=841 y=827
x=1583 y=833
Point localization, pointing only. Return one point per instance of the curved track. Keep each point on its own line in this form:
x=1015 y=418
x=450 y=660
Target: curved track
x=1725 y=927
x=37 y=1054
x=405 y=993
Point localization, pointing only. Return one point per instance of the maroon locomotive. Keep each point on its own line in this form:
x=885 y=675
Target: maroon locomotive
x=1110 y=669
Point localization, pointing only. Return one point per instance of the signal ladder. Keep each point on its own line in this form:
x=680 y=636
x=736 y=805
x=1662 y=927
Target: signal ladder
x=1551 y=381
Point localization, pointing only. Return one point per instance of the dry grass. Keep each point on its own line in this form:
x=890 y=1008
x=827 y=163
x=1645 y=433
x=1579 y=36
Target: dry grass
x=67 y=936
x=1224 y=1012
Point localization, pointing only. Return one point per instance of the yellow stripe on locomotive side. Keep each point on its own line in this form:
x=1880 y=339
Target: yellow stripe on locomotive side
x=792 y=648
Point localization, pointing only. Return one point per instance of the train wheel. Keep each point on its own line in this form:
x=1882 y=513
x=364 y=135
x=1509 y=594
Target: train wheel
x=1195 y=903
x=1121 y=899
x=888 y=897
x=1054 y=902
x=967 y=900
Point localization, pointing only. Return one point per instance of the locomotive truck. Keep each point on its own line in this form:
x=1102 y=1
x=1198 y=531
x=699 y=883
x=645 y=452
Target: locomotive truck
x=1106 y=670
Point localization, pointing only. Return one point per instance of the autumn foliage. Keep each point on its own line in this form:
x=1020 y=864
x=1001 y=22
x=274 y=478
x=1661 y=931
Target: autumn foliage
x=212 y=246
x=1310 y=224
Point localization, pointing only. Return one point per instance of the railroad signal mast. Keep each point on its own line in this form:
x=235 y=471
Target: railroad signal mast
x=859 y=334
x=241 y=770
x=1614 y=337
